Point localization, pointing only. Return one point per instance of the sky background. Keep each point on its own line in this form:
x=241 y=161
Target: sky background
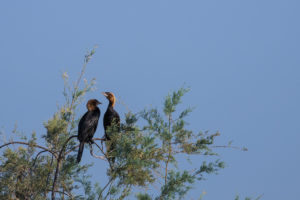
x=240 y=58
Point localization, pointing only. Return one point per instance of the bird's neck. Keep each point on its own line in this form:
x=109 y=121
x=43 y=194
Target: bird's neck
x=111 y=104
x=110 y=107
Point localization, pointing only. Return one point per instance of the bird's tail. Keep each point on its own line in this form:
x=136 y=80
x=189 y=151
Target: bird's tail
x=80 y=151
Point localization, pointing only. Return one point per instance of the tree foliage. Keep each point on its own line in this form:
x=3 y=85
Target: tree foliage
x=148 y=152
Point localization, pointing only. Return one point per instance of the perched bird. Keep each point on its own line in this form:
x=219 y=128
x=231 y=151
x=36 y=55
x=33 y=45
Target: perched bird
x=87 y=125
x=111 y=121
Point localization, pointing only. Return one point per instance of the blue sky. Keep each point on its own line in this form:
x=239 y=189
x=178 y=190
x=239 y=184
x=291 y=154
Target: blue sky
x=240 y=58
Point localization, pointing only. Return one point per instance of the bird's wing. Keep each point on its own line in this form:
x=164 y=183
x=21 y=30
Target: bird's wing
x=81 y=127
x=110 y=118
x=87 y=125
x=117 y=119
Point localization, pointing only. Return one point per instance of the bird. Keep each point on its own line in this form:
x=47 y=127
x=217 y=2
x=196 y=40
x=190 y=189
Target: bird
x=111 y=118
x=88 y=125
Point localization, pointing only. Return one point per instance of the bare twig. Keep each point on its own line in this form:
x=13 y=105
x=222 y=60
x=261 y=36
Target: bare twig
x=72 y=149
x=86 y=60
x=101 y=149
x=102 y=139
x=92 y=153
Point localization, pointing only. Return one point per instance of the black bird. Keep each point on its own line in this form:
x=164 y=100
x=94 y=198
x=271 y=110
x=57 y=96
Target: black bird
x=111 y=120
x=87 y=125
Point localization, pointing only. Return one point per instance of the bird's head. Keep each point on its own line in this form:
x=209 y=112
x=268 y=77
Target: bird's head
x=111 y=97
x=92 y=104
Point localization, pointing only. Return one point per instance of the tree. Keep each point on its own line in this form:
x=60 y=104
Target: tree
x=146 y=151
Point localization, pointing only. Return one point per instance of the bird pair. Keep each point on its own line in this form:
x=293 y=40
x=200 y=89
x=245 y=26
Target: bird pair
x=88 y=123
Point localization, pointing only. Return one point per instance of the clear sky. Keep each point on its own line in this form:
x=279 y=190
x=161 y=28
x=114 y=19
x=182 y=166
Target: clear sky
x=241 y=59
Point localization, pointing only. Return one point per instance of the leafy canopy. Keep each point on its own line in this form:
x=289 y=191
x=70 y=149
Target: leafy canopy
x=148 y=150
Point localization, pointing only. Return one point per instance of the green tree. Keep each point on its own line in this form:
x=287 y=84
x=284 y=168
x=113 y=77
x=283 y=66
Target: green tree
x=146 y=150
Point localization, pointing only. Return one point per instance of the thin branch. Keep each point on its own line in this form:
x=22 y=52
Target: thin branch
x=76 y=86
x=108 y=191
x=67 y=189
x=28 y=144
x=101 y=149
x=232 y=147
x=71 y=150
x=100 y=195
x=36 y=157
x=61 y=192
x=99 y=139
x=169 y=150
x=58 y=165
x=92 y=153
x=33 y=168
x=48 y=176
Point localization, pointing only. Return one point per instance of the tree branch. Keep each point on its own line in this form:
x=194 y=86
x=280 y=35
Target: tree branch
x=48 y=176
x=36 y=157
x=101 y=149
x=169 y=150
x=58 y=165
x=71 y=150
x=91 y=151
x=232 y=147
x=108 y=191
x=61 y=192
x=28 y=144
x=100 y=195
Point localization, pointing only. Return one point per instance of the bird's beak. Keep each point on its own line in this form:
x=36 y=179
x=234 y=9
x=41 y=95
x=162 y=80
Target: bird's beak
x=104 y=93
x=99 y=103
